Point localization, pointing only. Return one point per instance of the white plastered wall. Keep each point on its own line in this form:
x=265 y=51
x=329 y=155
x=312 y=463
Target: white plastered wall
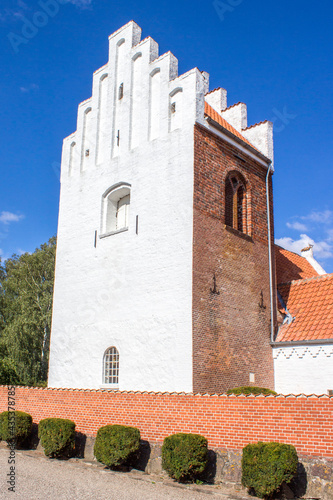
x=303 y=369
x=128 y=290
x=236 y=115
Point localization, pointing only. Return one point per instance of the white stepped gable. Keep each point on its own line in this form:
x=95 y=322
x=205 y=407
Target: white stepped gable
x=137 y=96
x=260 y=134
x=217 y=99
x=236 y=115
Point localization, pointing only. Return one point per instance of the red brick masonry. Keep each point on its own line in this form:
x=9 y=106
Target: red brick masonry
x=226 y=421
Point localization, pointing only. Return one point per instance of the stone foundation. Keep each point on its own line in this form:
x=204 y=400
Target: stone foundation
x=314 y=479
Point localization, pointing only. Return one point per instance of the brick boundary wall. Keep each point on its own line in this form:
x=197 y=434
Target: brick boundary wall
x=228 y=422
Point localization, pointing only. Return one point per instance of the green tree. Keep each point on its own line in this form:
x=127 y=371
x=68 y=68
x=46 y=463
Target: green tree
x=2 y=277
x=26 y=293
x=7 y=370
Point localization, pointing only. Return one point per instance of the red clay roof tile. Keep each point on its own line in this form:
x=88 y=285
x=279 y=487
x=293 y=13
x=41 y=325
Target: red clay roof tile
x=291 y=266
x=310 y=302
x=214 y=115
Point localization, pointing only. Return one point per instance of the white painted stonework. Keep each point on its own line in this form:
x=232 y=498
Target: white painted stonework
x=308 y=254
x=303 y=369
x=261 y=136
x=217 y=99
x=236 y=115
x=124 y=255
x=134 y=289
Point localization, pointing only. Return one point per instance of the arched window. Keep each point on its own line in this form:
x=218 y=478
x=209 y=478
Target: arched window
x=115 y=209
x=235 y=202
x=111 y=366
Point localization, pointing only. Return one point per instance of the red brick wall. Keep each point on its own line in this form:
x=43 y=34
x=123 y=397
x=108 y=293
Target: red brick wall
x=226 y=421
x=231 y=333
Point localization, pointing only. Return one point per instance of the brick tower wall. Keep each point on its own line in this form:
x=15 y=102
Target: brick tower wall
x=231 y=332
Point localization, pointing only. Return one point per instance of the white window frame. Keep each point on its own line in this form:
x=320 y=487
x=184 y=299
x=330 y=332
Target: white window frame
x=111 y=357
x=110 y=209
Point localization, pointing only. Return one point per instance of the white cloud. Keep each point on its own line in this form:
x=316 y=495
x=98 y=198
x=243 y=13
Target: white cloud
x=321 y=249
x=29 y=88
x=4 y=256
x=21 y=252
x=330 y=235
x=8 y=217
x=297 y=226
x=323 y=217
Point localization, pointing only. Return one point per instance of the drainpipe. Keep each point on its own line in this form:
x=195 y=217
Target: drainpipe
x=270 y=252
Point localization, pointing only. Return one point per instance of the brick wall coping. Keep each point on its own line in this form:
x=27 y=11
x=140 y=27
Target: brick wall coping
x=227 y=421
x=191 y=394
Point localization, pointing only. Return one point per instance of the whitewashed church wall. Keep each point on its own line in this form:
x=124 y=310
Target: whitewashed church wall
x=303 y=369
x=131 y=289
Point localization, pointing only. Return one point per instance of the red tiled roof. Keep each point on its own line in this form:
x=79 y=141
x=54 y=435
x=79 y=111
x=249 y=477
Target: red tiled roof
x=214 y=115
x=214 y=90
x=256 y=124
x=310 y=302
x=291 y=266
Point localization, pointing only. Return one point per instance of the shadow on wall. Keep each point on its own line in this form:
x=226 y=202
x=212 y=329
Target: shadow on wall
x=300 y=482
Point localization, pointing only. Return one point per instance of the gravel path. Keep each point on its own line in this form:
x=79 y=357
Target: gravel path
x=39 y=478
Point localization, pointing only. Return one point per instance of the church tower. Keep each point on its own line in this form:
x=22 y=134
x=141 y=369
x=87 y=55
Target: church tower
x=162 y=269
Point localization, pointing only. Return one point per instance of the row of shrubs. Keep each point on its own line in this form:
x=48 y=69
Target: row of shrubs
x=57 y=435
x=265 y=466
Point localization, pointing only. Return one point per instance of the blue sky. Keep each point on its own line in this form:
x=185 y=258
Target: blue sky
x=274 y=56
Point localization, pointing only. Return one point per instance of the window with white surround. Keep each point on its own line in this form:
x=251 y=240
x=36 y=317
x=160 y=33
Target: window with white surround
x=111 y=366
x=115 y=209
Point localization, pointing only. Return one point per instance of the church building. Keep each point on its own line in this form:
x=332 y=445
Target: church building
x=165 y=268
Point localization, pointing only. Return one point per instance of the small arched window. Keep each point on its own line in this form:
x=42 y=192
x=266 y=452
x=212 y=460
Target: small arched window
x=111 y=366
x=115 y=209
x=235 y=202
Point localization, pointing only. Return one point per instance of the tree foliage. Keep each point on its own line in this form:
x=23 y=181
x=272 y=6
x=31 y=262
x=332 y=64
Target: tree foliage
x=26 y=291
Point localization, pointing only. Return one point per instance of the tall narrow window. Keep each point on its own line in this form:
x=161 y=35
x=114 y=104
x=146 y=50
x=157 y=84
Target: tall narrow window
x=235 y=202
x=115 y=209
x=111 y=366
x=175 y=109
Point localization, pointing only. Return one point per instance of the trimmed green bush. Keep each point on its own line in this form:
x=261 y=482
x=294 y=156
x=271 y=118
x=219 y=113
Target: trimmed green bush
x=184 y=456
x=247 y=389
x=15 y=426
x=57 y=436
x=265 y=466
x=116 y=444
